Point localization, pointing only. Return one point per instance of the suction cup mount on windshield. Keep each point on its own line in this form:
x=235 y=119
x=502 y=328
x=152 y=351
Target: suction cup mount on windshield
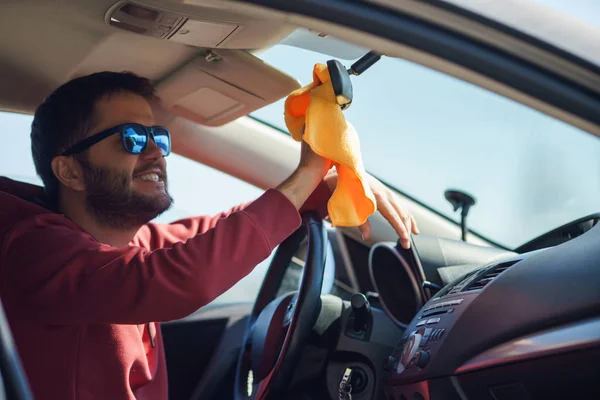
x=340 y=76
x=464 y=202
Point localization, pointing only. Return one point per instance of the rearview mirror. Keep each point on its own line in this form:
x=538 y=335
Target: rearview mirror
x=340 y=77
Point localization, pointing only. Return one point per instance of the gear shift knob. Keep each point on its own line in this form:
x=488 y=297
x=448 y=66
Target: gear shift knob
x=361 y=309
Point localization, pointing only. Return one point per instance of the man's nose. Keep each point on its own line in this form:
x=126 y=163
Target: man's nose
x=152 y=151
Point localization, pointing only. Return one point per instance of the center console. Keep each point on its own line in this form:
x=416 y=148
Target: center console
x=415 y=360
x=410 y=360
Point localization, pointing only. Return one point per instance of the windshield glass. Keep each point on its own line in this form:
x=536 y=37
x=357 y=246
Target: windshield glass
x=424 y=132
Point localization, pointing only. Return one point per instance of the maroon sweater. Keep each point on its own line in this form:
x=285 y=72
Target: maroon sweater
x=83 y=313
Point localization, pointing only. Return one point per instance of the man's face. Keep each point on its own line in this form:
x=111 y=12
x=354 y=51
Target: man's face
x=122 y=189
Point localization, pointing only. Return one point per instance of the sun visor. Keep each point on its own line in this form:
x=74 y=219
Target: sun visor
x=222 y=85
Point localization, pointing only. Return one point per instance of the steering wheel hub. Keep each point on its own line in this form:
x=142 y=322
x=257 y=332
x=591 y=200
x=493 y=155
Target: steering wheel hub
x=269 y=333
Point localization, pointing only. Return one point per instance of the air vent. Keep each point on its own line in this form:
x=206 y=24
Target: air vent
x=456 y=286
x=488 y=276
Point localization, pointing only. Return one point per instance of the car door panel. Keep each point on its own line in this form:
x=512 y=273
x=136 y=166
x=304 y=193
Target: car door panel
x=201 y=351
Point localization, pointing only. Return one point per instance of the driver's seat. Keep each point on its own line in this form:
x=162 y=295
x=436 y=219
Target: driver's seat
x=13 y=381
x=26 y=191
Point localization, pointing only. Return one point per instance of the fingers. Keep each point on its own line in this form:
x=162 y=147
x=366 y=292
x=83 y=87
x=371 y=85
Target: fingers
x=365 y=230
x=390 y=208
x=415 y=228
x=404 y=216
x=407 y=218
x=409 y=222
x=389 y=212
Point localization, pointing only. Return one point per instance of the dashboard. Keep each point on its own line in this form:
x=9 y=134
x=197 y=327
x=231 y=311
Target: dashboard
x=522 y=326
x=493 y=325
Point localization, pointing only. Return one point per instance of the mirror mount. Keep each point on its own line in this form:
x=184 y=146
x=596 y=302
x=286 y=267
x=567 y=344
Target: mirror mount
x=340 y=77
x=464 y=202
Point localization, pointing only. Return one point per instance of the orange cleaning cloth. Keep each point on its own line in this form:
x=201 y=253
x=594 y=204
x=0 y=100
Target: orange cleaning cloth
x=313 y=115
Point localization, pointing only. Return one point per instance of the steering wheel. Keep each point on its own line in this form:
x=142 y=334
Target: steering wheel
x=278 y=329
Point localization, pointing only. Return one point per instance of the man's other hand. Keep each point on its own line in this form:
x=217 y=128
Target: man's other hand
x=390 y=207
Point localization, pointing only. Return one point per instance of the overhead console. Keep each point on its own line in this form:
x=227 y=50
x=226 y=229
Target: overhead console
x=196 y=25
x=224 y=81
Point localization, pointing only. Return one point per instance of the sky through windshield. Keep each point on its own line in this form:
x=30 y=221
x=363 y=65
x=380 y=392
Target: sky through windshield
x=424 y=132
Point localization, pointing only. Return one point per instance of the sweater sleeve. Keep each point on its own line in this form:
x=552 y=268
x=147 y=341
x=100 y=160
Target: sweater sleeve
x=53 y=271
x=154 y=236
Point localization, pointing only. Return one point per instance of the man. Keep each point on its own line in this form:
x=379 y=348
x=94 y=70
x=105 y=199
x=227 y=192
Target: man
x=85 y=276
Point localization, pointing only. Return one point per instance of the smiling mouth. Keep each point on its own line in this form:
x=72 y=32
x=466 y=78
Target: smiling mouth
x=151 y=177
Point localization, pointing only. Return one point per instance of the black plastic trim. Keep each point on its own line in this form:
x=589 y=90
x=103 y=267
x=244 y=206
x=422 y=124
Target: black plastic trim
x=546 y=289
x=532 y=244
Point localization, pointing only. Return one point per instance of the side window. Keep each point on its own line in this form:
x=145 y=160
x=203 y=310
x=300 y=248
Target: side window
x=16 y=162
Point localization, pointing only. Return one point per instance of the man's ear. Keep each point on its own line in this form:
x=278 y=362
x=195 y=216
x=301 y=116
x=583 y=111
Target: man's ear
x=68 y=172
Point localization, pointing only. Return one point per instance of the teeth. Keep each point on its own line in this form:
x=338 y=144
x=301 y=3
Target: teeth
x=149 y=177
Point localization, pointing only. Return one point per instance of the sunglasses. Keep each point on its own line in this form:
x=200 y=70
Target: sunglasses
x=134 y=137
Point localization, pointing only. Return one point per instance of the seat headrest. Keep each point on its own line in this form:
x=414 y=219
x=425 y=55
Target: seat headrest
x=25 y=191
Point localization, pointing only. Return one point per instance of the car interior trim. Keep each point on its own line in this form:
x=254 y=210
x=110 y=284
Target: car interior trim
x=348 y=266
x=576 y=336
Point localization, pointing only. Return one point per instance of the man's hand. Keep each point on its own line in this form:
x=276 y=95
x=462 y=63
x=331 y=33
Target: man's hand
x=309 y=160
x=389 y=205
x=311 y=170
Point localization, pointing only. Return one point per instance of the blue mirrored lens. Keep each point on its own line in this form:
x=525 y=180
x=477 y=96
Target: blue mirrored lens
x=162 y=140
x=134 y=139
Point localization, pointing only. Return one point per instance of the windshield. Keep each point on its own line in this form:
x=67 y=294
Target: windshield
x=424 y=132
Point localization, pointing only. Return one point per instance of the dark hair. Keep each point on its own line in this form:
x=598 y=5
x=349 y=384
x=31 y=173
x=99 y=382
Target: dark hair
x=67 y=114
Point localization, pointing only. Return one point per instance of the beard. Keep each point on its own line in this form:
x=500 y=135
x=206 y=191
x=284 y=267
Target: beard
x=112 y=200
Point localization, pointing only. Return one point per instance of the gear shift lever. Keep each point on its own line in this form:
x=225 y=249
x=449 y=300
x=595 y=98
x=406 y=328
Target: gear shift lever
x=361 y=309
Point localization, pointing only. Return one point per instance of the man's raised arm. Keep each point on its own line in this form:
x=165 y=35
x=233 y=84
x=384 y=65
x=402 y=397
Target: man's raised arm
x=81 y=280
